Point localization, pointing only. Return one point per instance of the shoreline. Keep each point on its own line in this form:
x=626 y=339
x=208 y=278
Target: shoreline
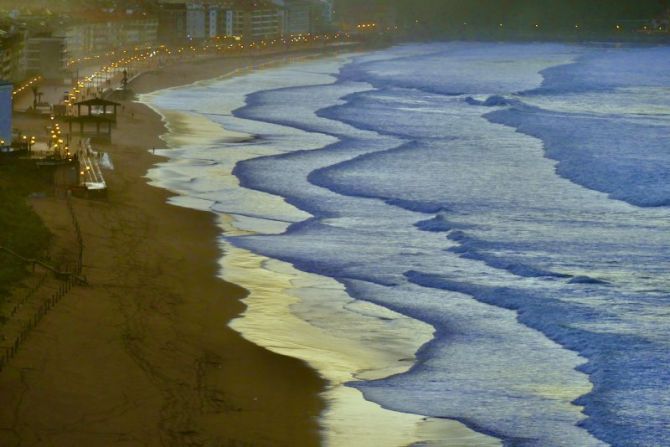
x=153 y=323
x=271 y=320
x=143 y=354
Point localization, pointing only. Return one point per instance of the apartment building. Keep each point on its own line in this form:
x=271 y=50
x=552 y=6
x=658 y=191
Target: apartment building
x=297 y=16
x=44 y=54
x=171 y=22
x=11 y=50
x=104 y=33
x=256 y=20
x=5 y=57
x=198 y=20
x=138 y=32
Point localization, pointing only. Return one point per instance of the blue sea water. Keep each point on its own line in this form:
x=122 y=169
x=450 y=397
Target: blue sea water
x=516 y=197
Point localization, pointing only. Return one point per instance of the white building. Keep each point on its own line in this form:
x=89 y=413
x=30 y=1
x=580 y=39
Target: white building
x=214 y=29
x=327 y=10
x=196 y=21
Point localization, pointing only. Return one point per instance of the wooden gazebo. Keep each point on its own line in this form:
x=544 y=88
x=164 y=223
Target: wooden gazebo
x=98 y=107
x=100 y=113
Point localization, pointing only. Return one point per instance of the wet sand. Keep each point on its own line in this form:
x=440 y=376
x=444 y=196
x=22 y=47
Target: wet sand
x=302 y=315
x=143 y=354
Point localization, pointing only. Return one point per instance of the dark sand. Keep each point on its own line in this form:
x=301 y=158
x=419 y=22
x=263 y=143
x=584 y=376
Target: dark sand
x=142 y=356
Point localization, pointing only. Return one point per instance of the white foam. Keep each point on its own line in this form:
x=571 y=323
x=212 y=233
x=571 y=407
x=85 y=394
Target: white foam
x=361 y=341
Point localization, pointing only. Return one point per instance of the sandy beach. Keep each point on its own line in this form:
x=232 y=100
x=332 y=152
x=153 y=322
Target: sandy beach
x=142 y=355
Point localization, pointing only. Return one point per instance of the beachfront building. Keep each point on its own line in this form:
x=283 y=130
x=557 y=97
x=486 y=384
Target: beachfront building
x=326 y=9
x=204 y=20
x=256 y=20
x=5 y=114
x=306 y=16
x=38 y=51
x=179 y=20
x=214 y=21
x=321 y=16
x=44 y=55
x=198 y=20
x=297 y=16
x=171 y=22
x=5 y=57
x=96 y=34
x=138 y=32
x=11 y=50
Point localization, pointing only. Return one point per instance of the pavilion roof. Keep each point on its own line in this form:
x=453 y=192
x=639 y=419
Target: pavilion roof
x=97 y=102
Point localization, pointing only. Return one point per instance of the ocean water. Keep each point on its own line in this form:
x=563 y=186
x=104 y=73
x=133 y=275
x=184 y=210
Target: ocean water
x=470 y=241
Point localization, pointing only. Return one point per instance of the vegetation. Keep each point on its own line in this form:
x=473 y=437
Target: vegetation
x=21 y=230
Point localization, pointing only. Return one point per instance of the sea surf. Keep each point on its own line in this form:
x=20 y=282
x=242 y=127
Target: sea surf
x=469 y=241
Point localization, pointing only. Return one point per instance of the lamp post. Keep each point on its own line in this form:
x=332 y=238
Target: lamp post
x=34 y=89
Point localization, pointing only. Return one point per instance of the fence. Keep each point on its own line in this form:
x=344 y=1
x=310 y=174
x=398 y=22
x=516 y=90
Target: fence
x=27 y=296
x=69 y=281
x=77 y=232
x=45 y=307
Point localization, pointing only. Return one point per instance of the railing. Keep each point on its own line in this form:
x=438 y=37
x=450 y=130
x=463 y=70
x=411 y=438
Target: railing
x=9 y=352
x=70 y=279
x=80 y=239
x=27 y=296
x=56 y=271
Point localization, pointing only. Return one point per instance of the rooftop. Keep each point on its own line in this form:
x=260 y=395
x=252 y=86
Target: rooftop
x=97 y=102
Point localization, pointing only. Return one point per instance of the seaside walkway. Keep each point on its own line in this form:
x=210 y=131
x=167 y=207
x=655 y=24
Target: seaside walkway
x=90 y=174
